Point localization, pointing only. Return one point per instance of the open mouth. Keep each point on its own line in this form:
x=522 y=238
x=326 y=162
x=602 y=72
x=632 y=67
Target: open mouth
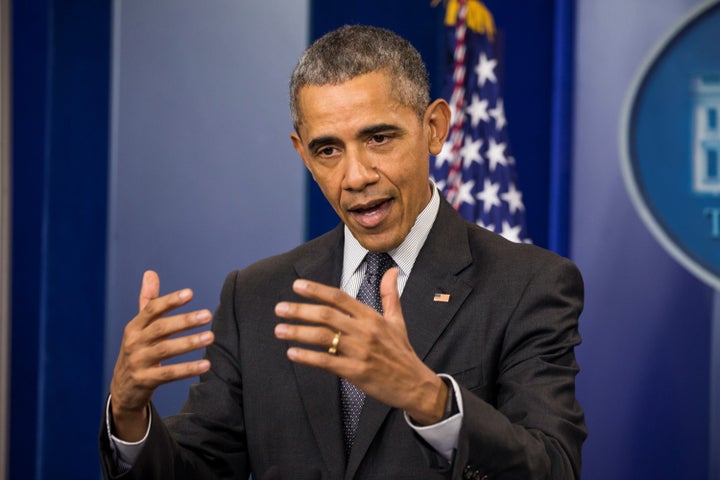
x=371 y=214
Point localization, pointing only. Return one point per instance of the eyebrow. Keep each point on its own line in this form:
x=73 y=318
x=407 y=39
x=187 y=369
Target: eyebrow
x=380 y=128
x=320 y=141
x=365 y=132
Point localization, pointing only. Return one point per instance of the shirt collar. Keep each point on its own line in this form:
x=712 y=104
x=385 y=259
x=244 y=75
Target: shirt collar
x=405 y=254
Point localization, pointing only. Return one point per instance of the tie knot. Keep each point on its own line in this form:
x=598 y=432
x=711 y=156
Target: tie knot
x=378 y=263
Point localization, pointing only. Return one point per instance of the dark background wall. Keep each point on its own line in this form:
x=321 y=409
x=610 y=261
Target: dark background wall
x=60 y=79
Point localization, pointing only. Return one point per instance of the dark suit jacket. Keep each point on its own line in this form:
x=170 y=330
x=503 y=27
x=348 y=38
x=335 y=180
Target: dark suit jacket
x=506 y=335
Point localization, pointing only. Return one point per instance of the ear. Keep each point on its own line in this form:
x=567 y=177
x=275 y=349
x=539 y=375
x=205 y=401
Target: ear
x=300 y=149
x=437 y=119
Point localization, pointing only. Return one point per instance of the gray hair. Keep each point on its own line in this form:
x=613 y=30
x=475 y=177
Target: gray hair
x=351 y=51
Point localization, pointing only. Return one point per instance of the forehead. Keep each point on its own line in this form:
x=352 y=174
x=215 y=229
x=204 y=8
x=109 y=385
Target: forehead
x=368 y=98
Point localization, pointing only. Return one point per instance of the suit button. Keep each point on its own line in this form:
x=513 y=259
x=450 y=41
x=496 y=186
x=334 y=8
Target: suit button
x=470 y=473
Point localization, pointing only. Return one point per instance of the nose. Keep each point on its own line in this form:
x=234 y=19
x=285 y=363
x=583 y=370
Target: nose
x=359 y=172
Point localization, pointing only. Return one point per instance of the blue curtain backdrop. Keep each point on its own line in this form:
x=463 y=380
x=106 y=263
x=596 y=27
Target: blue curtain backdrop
x=60 y=82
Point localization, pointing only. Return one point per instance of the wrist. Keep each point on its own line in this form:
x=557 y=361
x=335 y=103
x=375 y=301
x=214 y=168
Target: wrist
x=432 y=403
x=129 y=425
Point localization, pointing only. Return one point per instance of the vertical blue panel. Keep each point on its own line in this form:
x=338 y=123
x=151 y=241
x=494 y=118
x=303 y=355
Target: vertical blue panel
x=60 y=78
x=528 y=32
x=30 y=21
x=561 y=130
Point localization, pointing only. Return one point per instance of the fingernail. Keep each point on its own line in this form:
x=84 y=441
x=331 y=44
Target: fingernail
x=292 y=353
x=205 y=336
x=280 y=330
x=202 y=365
x=204 y=315
x=300 y=284
x=282 y=307
x=184 y=294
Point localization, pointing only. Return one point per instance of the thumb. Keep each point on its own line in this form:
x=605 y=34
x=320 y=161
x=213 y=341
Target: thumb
x=150 y=288
x=390 y=296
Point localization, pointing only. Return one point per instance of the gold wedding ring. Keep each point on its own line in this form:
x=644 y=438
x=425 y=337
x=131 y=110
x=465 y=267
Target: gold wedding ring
x=334 y=346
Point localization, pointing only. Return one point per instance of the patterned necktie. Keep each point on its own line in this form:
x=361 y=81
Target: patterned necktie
x=352 y=398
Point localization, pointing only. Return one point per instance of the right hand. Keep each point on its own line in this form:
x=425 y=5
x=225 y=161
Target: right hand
x=145 y=344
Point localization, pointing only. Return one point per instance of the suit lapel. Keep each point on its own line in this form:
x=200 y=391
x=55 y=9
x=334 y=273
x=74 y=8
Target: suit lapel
x=445 y=254
x=319 y=389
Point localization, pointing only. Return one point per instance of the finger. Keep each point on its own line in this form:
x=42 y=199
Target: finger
x=390 y=296
x=325 y=315
x=331 y=363
x=157 y=376
x=329 y=296
x=159 y=306
x=173 y=347
x=167 y=326
x=150 y=288
x=320 y=336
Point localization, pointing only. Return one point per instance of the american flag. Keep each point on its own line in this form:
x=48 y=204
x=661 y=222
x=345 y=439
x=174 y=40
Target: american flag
x=475 y=169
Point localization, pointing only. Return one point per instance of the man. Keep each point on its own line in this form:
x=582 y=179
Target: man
x=459 y=364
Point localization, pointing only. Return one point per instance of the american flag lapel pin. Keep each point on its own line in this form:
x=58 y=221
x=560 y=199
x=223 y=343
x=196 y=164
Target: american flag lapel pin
x=441 y=297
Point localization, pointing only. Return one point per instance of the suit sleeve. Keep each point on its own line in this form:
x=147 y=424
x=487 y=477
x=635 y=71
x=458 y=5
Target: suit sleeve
x=535 y=428
x=206 y=440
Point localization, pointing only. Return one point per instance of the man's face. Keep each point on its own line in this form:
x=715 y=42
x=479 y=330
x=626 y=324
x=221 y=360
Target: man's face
x=369 y=155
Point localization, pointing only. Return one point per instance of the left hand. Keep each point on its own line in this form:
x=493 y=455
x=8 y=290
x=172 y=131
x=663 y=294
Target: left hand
x=374 y=351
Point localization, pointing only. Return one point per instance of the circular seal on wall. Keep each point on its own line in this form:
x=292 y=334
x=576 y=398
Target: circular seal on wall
x=670 y=142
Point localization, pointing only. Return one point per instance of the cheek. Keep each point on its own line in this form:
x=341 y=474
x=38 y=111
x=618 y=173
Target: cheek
x=329 y=184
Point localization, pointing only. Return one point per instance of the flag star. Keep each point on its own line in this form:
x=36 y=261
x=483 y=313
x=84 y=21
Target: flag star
x=485 y=70
x=514 y=199
x=511 y=233
x=445 y=155
x=498 y=113
x=496 y=154
x=464 y=194
x=470 y=151
x=477 y=111
x=489 y=195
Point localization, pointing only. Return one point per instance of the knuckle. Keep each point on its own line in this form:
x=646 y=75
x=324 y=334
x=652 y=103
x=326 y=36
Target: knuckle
x=133 y=365
x=151 y=308
x=374 y=333
x=166 y=374
x=323 y=360
x=130 y=330
x=337 y=295
x=325 y=314
x=162 y=350
x=159 y=329
x=139 y=379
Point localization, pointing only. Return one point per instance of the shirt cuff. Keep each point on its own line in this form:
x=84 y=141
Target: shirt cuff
x=125 y=452
x=444 y=435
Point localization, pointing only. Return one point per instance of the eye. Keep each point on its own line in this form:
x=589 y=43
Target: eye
x=379 y=138
x=326 y=151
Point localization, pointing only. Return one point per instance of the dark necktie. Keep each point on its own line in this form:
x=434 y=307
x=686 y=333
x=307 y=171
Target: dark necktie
x=352 y=398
